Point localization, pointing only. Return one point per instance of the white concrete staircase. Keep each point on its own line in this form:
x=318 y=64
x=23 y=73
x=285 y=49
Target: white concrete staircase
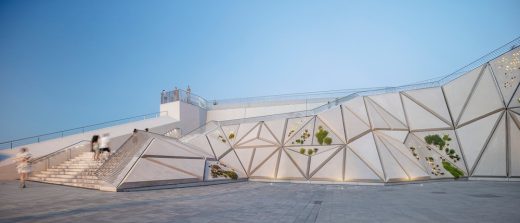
x=76 y=172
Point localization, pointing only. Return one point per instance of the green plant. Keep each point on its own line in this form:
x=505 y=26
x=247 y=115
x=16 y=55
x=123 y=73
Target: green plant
x=442 y=144
x=435 y=140
x=231 y=136
x=327 y=140
x=321 y=135
x=456 y=172
x=231 y=174
x=302 y=151
x=305 y=135
x=220 y=138
x=217 y=171
x=310 y=152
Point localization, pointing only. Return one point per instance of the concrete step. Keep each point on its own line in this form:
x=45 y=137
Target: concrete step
x=76 y=167
x=80 y=176
x=64 y=180
x=81 y=163
x=68 y=172
x=82 y=185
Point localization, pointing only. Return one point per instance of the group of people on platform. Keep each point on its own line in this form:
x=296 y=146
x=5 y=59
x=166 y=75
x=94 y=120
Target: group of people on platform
x=165 y=98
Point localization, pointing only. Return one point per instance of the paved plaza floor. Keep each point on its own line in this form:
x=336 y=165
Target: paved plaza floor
x=454 y=201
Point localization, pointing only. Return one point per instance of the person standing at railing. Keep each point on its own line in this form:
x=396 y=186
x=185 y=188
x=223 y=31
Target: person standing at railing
x=188 y=94
x=23 y=167
x=95 y=147
x=104 y=144
x=175 y=94
x=164 y=97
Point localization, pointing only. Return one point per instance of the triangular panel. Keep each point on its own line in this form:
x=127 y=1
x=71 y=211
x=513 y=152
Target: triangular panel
x=245 y=156
x=303 y=136
x=332 y=169
x=506 y=69
x=376 y=119
x=267 y=135
x=389 y=118
x=493 y=159
x=288 y=170
x=485 y=91
x=333 y=137
x=231 y=133
x=451 y=144
x=333 y=119
x=397 y=135
x=276 y=126
x=301 y=161
x=393 y=169
x=354 y=124
x=514 y=137
x=458 y=91
x=163 y=148
x=357 y=107
x=255 y=143
x=411 y=166
x=433 y=99
x=515 y=101
x=247 y=133
x=261 y=155
x=473 y=137
x=365 y=148
x=266 y=169
x=294 y=125
x=231 y=160
x=397 y=146
x=357 y=170
x=420 y=118
x=391 y=102
x=200 y=142
x=141 y=172
x=218 y=142
x=321 y=157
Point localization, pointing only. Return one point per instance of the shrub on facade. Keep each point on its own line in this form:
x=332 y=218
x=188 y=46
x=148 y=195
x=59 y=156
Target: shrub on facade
x=321 y=136
x=456 y=172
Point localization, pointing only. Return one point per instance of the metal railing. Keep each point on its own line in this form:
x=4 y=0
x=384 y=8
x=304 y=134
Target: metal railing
x=64 y=154
x=184 y=96
x=60 y=134
x=329 y=96
x=112 y=169
x=351 y=94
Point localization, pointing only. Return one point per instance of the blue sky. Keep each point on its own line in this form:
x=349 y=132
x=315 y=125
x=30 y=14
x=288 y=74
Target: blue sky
x=65 y=64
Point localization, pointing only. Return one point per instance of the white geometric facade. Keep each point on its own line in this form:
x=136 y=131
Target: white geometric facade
x=380 y=138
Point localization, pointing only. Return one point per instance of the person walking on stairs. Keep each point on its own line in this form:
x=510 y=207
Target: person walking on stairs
x=23 y=167
x=104 y=145
x=94 y=145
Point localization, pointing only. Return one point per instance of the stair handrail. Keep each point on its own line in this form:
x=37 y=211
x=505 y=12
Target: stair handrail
x=36 y=160
x=116 y=163
x=61 y=133
x=36 y=163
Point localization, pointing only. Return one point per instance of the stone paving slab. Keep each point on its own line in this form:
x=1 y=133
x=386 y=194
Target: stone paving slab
x=457 y=201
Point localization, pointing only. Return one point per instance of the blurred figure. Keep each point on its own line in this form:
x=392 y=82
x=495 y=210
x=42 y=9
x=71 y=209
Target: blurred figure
x=175 y=94
x=164 y=97
x=104 y=144
x=94 y=144
x=23 y=167
x=188 y=94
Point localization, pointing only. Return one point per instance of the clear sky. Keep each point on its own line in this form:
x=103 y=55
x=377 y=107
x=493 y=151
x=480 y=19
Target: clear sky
x=67 y=63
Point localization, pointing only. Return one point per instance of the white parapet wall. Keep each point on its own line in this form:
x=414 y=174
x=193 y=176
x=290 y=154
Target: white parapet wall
x=190 y=116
